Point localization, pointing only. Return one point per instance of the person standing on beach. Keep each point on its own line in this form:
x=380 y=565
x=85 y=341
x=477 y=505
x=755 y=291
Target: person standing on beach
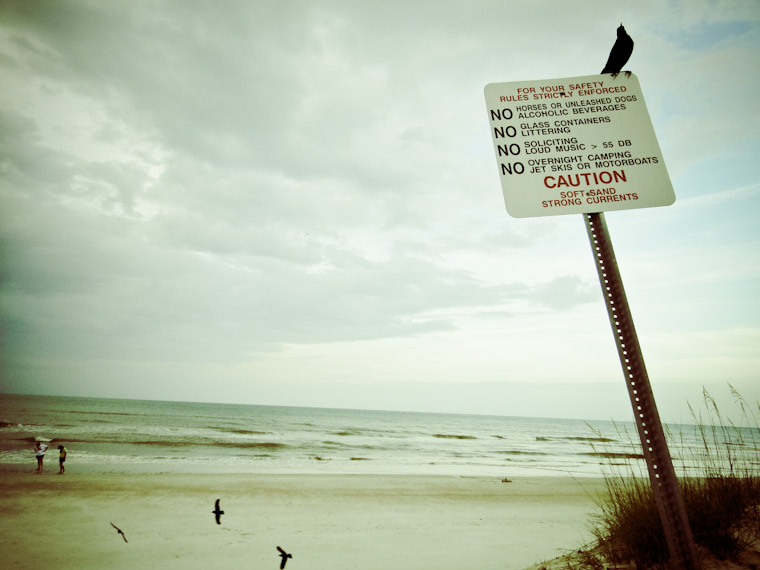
x=61 y=459
x=40 y=449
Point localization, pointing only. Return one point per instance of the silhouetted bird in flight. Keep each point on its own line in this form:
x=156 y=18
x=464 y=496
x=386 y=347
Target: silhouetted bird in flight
x=620 y=52
x=284 y=555
x=121 y=532
x=218 y=512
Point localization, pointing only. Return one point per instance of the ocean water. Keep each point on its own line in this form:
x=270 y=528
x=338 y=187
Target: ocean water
x=112 y=435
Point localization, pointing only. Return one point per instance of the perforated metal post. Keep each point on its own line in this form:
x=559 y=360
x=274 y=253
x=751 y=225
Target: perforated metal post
x=683 y=552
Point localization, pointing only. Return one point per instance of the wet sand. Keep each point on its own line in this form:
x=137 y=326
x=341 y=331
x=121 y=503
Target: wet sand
x=336 y=522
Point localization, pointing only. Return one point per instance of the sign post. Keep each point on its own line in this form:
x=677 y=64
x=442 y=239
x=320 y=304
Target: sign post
x=586 y=145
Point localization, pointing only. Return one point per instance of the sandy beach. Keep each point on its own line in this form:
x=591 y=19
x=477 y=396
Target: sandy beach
x=373 y=522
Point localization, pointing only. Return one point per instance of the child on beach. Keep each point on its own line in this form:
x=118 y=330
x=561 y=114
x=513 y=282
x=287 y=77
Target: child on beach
x=40 y=449
x=61 y=459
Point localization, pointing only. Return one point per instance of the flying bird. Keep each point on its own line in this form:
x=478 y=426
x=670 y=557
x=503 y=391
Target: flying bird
x=619 y=53
x=121 y=532
x=284 y=555
x=218 y=512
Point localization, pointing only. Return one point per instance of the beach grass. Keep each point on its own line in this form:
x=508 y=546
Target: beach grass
x=720 y=485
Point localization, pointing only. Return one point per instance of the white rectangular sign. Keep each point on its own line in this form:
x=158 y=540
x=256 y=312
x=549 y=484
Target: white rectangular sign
x=576 y=145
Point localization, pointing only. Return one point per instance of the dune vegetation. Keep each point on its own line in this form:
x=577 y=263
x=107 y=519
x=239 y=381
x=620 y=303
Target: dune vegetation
x=719 y=475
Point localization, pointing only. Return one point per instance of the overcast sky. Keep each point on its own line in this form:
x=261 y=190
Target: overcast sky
x=298 y=203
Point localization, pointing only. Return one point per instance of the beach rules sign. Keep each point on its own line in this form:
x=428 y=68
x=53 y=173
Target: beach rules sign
x=576 y=145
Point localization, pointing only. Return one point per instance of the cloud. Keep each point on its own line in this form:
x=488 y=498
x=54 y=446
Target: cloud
x=565 y=291
x=188 y=188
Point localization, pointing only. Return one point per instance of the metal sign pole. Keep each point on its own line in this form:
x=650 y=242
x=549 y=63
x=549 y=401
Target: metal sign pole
x=683 y=552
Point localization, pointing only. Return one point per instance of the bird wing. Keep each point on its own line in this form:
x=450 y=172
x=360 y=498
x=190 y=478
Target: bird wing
x=121 y=532
x=281 y=550
x=609 y=67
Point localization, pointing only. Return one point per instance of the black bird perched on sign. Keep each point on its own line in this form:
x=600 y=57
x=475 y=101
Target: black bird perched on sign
x=218 y=512
x=620 y=52
x=284 y=555
x=121 y=532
